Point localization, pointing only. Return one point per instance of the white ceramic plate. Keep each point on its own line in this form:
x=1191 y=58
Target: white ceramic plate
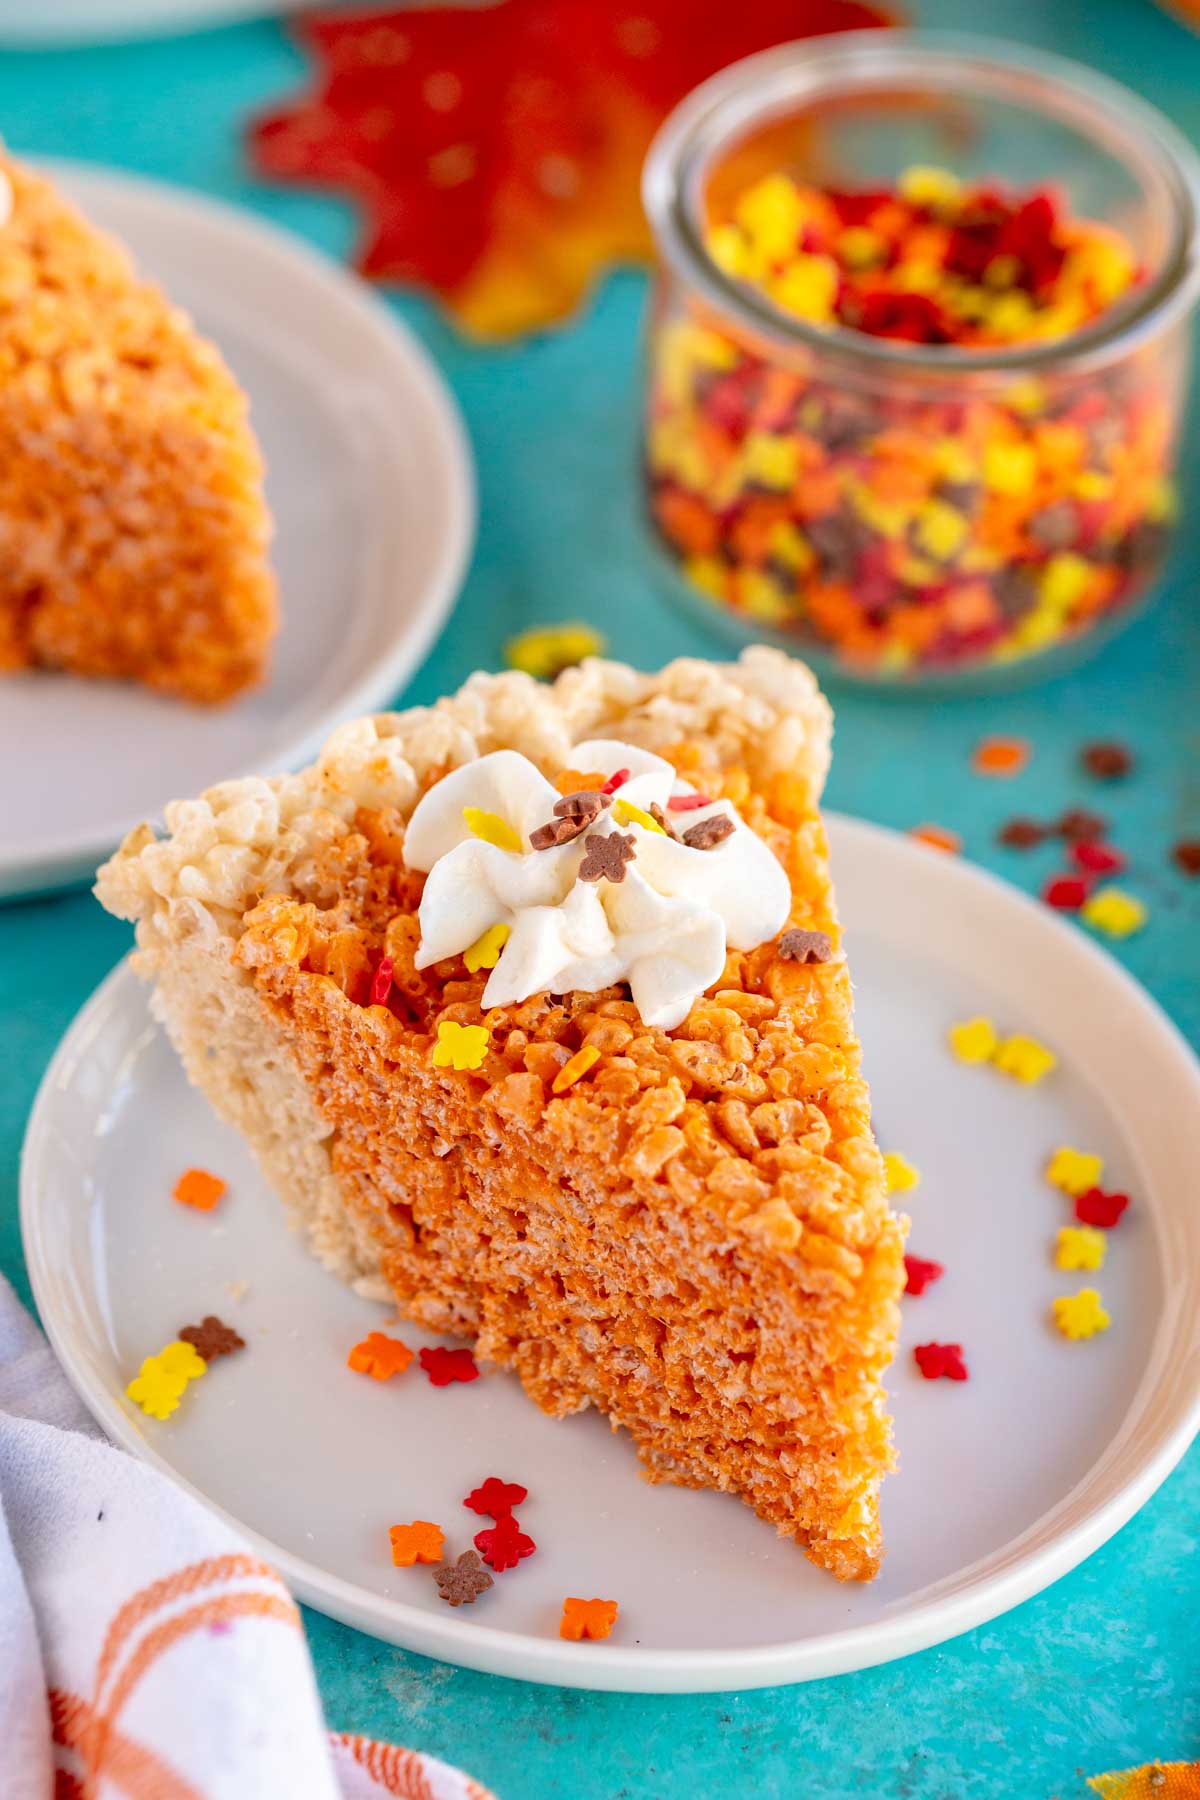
x=369 y=479
x=1006 y=1482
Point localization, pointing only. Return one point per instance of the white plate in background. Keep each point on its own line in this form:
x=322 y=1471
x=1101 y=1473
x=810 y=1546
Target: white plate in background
x=370 y=482
x=1006 y=1481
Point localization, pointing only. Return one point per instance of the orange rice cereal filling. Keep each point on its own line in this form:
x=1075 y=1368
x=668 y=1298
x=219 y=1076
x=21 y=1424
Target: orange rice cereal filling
x=694 y=1236
x=133 y=531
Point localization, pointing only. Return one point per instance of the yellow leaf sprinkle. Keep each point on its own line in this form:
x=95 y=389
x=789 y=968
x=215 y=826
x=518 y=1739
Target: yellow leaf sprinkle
x=484 y=953
x=492 y=829
x=974 y=1041
x=1113 y=911
x=901 y=1176
x=179 y=1358
x=577 y=1065
x=772 y=462
x=1009 y=469
x=1064 y=581
x=1024 y=1058
x=940 y=529
x=460 y=1046
x=1081 y=1315
x=1074 y=1171
x=1080 y=1247
x=546 y=650
x=808 y=287
x=858 y=247
x=626 y=813
x=158 y=1386
x=771 y=213
x=924 y=185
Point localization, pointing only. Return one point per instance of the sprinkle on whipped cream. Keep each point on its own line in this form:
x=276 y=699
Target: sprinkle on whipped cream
x=662 y=923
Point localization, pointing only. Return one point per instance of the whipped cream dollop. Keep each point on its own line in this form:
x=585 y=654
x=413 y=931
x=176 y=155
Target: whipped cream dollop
x=663 y=927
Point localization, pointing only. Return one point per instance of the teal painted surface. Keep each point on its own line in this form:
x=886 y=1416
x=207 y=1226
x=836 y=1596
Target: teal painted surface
x=1101 y=1671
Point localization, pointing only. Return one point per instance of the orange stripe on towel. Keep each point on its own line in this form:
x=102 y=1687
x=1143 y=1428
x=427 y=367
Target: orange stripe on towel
x=137 y=1773
x=147 y=1600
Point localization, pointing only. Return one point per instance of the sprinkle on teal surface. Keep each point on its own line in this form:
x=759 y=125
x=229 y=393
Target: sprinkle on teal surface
x=1103 y=1670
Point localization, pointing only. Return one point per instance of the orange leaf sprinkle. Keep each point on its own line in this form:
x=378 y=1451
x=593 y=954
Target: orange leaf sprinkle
x=574 y=1067
x=379 y=1356
x=937 y=837
x=587 y=1619
x=196 y=1187
x=1000 y=756
x=572 y=781
x=419 y=1542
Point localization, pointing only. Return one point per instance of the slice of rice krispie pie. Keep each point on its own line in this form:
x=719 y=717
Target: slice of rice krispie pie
x=133 y=528
x=532 y=1007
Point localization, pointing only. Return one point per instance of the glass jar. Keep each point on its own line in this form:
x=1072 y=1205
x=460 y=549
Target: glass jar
x=903 y=512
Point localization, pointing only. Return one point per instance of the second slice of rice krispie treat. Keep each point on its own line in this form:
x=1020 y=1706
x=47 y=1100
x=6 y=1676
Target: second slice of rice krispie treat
x=133 y=528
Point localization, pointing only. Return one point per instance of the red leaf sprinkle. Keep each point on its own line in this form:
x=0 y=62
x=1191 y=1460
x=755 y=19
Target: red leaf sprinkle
x=616 y=780
x=496 y=1498
x=941 y=1360
x=687 y=802
x=381 y=986
x=503 y=1544
x=1098 y=1208
x=1097 y=859
x=444 y=1366
x=921 y=1273
x=1066 y=892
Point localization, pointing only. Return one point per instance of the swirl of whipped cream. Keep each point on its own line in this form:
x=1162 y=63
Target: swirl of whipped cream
x=664 y=928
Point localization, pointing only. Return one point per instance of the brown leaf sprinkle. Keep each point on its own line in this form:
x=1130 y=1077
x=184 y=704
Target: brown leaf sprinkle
x=1081 y=826
x=461 y=1583
x=805 y=946
x=1106 y=761
x=212 y=1338
x=710 y=832
x=572 y=816
x=660 y=819
x=1023 y=834
x=607 y=857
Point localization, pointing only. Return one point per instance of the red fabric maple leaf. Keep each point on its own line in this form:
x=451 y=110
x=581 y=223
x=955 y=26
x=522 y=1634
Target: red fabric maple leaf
x=496 y=151
x=444 y=1366
x=503 y=1544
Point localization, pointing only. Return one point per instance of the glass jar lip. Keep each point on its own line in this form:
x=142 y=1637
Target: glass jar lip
x=775 y=81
